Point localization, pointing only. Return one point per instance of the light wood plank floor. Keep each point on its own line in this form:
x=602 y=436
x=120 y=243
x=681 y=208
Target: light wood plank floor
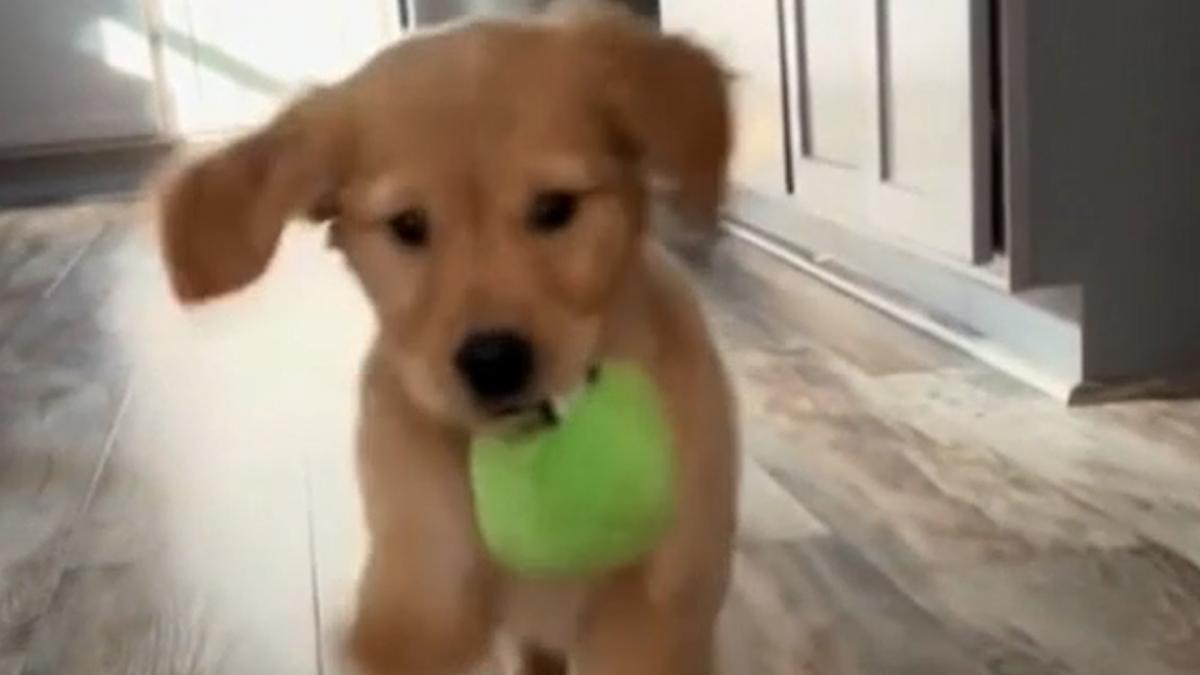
x=176 y=492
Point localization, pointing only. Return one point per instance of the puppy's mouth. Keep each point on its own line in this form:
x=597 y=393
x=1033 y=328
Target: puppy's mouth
x=539 y=413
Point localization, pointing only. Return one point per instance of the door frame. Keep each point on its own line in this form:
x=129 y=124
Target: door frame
x=859 y=197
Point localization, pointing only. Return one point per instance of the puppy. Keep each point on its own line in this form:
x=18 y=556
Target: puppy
x=488 y=186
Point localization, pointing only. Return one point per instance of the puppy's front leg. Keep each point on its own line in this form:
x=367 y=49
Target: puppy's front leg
x=426 y=602
x=628 y=633
x=404 y=629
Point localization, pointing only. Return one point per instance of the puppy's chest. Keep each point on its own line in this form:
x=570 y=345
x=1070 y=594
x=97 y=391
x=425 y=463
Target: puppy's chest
x=545 y=613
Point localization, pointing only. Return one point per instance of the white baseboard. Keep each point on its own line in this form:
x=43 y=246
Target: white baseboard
x=1035 y=342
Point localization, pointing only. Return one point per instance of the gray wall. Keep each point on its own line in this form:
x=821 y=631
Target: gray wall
x=56 y=82
x=1113 y=105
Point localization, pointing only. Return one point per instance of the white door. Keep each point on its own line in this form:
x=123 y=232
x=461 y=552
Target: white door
x=746 y=36
x=891 y=118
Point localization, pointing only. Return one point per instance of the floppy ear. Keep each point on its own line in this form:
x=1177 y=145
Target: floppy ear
x=669 y=103
x=221 y=216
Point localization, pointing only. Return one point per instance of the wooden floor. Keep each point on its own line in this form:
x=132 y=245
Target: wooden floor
x=176 y=494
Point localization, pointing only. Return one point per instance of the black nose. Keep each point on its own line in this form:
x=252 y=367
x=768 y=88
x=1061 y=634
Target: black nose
x=495 y=364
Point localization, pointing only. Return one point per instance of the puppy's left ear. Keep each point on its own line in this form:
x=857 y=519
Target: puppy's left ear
x=221 y=216
x=669 y=102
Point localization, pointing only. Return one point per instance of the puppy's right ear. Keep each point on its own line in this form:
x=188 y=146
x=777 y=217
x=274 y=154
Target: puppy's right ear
x=666 y=98
x=221 y=216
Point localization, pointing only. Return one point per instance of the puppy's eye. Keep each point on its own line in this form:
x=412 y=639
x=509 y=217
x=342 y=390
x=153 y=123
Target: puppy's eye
x=553 y=210
x=410 y=227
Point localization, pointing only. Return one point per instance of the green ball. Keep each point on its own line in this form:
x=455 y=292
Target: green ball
x=591 y=492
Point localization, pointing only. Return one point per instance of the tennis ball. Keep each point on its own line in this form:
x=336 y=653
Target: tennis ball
x=592 y=491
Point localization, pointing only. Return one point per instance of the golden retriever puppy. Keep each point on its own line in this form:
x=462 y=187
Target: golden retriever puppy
x=488 y=186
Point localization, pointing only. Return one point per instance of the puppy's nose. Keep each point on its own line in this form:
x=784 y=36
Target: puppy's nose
x=495 y=364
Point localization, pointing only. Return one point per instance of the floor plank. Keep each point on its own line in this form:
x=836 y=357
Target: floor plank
x=1133 y=477
x=38 y=249
x=756 y=295
x=1004 y=548
x=62 y=382
x=194 y=555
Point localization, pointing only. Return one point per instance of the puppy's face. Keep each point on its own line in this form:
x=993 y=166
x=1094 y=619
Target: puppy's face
x=487 y=187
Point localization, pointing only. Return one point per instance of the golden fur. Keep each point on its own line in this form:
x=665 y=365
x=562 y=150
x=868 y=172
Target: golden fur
x=469 y=124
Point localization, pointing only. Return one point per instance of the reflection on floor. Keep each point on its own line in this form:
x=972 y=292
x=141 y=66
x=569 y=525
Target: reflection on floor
x=176 y=494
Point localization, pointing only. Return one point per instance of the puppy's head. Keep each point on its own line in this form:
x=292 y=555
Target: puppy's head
x=487 y=185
